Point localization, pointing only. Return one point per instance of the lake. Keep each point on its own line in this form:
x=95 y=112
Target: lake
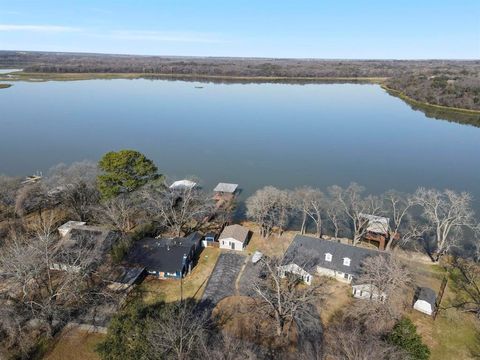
x=251 y=134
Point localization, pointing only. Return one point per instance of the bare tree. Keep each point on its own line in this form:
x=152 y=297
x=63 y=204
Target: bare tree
x=119 y=212
x=402 y=225
x=447 y=214
x=27 y=264
x=285 y=300
x=466 y=282
x=180 y=333
x=346 y=339
x=269 y=207
x=180 y=210
x=335 y=215
x=75 y=188
x=354 y=206
x=32 y=197
x=309 y=203
x=388 y=281
x=8 y=191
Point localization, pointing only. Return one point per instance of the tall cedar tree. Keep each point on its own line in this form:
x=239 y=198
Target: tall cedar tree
x=124 y=172
x=405 y=336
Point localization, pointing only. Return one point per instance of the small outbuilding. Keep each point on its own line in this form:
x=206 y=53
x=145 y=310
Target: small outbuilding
x=226 y=188
x=68 y=226
x=234 y=237
x=425 y=300
x=183 y=184
x=210 y=240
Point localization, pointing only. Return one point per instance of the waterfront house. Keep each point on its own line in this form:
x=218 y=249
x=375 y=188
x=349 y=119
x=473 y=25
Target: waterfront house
x=309 y=256
x=81 y=246
x=234 y=237
x=166 y=258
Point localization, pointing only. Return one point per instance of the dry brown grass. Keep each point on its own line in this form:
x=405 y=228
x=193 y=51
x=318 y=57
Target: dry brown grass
x=75 y=344
x=154 y=290
x=237 y=319
x=274 y=245
x=338 y=299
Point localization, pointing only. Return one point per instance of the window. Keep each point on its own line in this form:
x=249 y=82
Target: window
x=328 y=257
x=346 y=261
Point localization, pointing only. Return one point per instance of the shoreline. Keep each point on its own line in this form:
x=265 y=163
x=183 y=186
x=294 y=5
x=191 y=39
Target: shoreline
x=412 y=101
x=44 y=77
x=5 y=86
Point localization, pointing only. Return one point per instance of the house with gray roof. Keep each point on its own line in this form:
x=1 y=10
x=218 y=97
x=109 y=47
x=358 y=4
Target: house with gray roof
x=166 y=258
x=234 y=237
x=308 y=256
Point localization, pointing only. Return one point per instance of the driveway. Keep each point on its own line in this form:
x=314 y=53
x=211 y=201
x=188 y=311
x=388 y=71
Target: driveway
x=224 y=275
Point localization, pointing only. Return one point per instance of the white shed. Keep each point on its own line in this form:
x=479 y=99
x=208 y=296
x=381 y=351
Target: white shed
x=234 y=237
x=425 y=299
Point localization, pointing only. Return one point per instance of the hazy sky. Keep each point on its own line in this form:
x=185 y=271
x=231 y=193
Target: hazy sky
x=411 y=29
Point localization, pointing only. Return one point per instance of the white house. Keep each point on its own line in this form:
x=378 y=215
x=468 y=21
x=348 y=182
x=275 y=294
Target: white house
x=425 y=299
x=308 y=256
x=233 y=237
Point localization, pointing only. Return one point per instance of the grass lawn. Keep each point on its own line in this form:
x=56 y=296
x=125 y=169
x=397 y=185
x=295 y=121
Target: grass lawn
x=75 y=344
x=154 y=290
x=272 y=246
x=453 y=334
x=338 y=299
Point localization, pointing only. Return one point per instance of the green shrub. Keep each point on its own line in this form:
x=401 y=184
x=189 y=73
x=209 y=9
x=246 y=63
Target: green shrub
x=405 y=336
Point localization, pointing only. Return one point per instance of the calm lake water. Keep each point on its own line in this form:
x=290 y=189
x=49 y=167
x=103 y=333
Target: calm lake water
x=254 y=134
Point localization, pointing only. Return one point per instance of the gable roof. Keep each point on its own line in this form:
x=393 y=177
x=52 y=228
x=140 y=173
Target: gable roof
x=165 y=255
x=226 y=188
x=427 y=294
x=377 y=224
x=183 y=184
x=237 y=232
x=309 y=252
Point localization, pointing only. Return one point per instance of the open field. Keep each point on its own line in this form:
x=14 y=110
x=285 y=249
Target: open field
x=75 y=344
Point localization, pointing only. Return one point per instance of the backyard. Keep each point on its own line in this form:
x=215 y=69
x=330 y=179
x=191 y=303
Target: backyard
x=75 y=344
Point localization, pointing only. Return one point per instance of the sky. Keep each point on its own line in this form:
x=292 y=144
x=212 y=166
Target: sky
x=330 y=29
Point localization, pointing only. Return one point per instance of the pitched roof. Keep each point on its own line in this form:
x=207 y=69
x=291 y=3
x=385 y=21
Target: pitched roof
x=183 y=184
x=427 y=294
x=226 y=188
x=309 y=252
x=162 y=254
x=71 y=224
x=376 y=224
x=236 y=232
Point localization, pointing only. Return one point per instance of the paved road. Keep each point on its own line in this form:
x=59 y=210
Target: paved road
x=222 y=281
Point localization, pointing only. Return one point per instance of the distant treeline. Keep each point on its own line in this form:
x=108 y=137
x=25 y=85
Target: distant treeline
x=443 y=82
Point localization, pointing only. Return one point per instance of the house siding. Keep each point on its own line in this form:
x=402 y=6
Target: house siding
x=227 y=244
